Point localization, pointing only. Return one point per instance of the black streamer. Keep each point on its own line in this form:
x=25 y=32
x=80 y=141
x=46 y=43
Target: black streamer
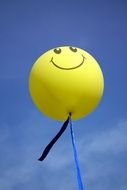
x=53 y=141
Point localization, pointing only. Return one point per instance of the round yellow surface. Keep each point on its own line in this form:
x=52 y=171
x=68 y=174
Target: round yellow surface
x=66 y=80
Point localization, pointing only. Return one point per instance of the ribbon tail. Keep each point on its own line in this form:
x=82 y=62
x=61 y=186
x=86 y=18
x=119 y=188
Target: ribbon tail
x=53 y=141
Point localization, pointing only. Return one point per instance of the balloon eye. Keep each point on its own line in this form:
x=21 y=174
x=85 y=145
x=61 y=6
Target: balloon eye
x=58 y=50
x=73 y=49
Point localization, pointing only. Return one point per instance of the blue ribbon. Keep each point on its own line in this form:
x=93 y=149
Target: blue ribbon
x=79 y=179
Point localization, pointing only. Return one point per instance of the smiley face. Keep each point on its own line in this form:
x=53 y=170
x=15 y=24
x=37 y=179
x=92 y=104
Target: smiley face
x=66 y=80
x=74 y=50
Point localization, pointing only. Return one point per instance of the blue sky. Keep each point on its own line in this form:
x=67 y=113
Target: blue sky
x=28 y=29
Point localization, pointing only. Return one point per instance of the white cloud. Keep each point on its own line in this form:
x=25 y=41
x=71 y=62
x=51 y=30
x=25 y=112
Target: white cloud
x=110 y=141
x=101 y=157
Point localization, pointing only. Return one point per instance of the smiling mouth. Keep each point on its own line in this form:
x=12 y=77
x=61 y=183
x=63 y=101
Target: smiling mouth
x=70 y=68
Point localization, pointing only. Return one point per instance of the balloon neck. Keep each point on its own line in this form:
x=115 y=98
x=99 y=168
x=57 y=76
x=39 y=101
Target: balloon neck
x=70 y=114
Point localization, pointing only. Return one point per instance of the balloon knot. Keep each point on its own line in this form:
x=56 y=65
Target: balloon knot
x=70 y=114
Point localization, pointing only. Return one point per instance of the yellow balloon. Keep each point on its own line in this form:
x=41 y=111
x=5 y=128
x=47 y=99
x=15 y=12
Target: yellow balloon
x=66 y=80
